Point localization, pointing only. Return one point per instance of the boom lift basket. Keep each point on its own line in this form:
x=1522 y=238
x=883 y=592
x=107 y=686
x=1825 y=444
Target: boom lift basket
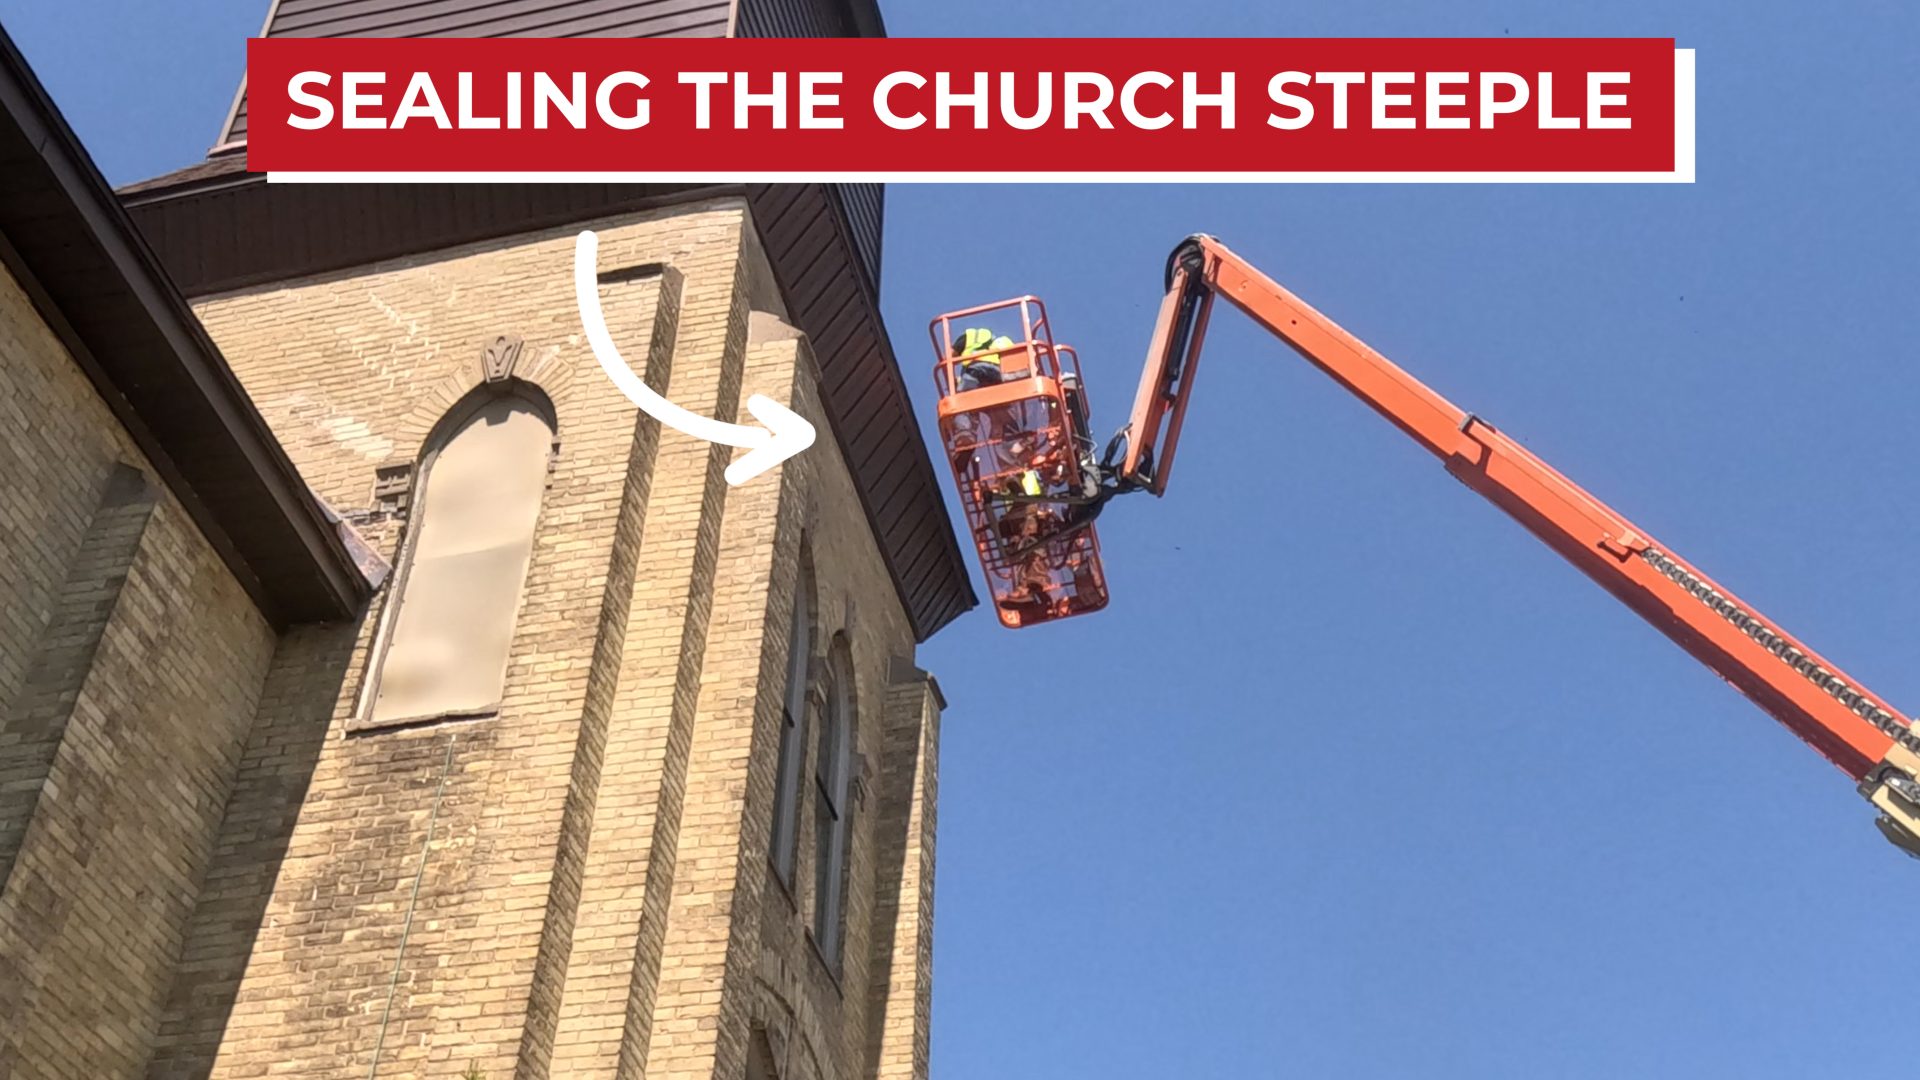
x=1013 y=423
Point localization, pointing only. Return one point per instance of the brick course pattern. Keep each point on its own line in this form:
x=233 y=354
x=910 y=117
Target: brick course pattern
x=131 y=664
x=577 y=885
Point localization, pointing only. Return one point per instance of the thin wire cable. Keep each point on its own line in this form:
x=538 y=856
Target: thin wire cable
x=413 y=901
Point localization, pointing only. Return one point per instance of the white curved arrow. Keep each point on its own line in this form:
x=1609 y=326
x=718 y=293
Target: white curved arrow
x=786 y=432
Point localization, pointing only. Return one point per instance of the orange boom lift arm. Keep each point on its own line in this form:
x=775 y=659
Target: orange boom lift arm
x=1854 y=729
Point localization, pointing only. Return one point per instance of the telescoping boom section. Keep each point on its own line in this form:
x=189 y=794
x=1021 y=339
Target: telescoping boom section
x=1856 y=730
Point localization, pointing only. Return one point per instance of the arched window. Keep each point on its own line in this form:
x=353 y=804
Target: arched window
x=784 y=844
x=833 y=779
x=449 y=621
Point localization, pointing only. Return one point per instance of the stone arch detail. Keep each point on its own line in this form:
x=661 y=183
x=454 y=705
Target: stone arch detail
x=548 y=367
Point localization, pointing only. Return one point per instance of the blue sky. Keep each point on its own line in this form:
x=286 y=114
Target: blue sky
x=1354 y=779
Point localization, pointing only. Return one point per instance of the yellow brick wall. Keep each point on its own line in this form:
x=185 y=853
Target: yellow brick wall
x=580 y=881
x=131 y=662
x=900 y=1011
x=817 y=1021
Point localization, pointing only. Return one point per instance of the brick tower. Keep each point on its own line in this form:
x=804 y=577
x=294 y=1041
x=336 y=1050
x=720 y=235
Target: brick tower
x=597 y=766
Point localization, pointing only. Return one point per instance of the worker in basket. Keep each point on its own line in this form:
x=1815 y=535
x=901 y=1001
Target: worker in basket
x=979 y=348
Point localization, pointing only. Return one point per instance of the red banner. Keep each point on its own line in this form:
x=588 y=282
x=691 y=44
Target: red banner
x=947 y=109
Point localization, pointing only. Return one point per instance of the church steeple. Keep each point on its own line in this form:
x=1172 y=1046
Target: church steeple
x=558 y=19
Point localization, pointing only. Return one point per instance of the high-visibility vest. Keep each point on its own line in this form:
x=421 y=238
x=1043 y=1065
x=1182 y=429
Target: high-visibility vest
x=979 y=346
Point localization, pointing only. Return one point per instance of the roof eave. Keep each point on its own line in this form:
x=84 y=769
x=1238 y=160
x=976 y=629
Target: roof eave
x=191 y=360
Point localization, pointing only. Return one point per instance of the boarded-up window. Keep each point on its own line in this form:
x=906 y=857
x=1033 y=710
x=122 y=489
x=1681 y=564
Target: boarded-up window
x=458 y=590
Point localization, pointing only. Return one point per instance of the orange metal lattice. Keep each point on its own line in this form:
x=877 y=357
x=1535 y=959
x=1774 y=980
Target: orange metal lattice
x=1016 y=446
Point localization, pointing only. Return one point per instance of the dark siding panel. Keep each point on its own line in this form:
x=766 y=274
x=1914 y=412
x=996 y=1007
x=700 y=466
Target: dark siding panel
x=795 y=18
x=866 y=247
x=889 y=448
x=926 y=593
x=465 y=18
x=838 y=327
x=865 y=395
x=860 y=204
x=774 y=201
x=903 y=493
x=922 y=553
x=821 y=274
x=253 y=232
x=887 y=487
x=862 y=369
x=499 y=18
x=864 y=205
x=796 y=219
x=898 y=471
